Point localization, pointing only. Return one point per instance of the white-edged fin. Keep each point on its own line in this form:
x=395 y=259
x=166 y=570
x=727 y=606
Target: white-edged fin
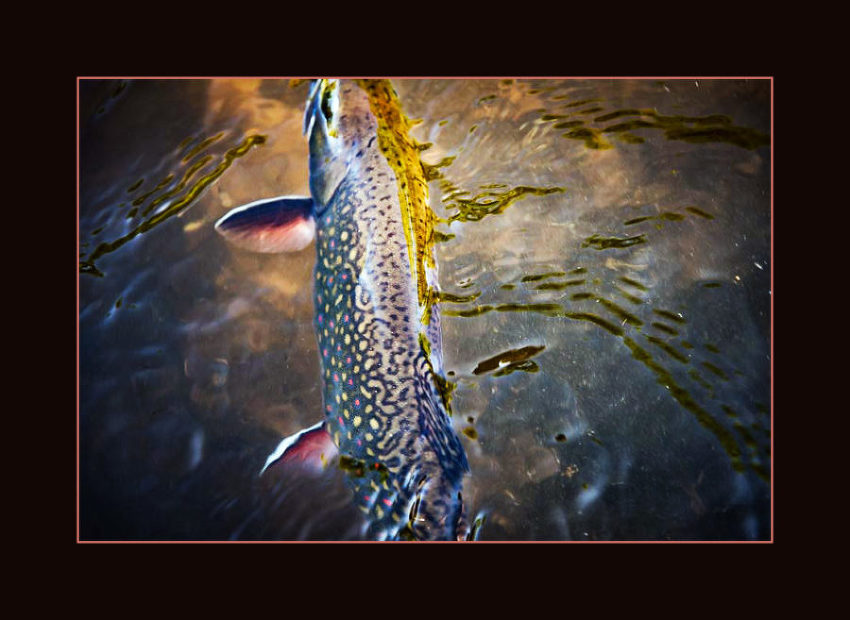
x=309 y=445
x=271 y=225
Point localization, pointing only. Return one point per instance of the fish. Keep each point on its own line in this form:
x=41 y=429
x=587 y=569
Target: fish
x=386 y=419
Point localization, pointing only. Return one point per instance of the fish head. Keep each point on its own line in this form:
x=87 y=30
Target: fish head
x=338 y=123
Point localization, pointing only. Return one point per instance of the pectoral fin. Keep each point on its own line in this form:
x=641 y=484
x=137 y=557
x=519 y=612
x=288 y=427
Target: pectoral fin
x=313 y=447
x=284 y=224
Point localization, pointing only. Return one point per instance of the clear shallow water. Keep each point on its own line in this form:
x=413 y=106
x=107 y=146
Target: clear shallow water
x=648 y=416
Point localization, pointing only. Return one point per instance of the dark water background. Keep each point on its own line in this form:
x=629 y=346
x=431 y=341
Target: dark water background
x=648 y=416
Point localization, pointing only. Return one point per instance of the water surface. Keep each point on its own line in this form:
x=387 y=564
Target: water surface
x=605 y=274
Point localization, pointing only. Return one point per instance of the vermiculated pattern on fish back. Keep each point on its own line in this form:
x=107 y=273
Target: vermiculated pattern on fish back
x=383 y=409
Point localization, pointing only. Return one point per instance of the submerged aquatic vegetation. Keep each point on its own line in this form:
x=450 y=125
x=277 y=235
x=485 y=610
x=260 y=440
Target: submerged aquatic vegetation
x=490 y=202
x=694 y=129
x=604 y=243
x=507 y=358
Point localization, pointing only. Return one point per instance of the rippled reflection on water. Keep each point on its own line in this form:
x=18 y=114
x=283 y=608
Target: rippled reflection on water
x=623 y=226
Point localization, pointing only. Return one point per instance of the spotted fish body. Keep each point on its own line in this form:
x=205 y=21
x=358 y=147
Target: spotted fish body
x=378 y=332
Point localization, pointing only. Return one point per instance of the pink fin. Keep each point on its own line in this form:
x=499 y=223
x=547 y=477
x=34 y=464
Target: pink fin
x=312 y=447
x=271 y=225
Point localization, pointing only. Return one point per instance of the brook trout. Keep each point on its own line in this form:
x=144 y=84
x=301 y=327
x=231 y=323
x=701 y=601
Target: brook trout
x=386 y=415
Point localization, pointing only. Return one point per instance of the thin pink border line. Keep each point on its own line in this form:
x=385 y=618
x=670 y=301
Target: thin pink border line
x=416 y=77
x=648 y=542
x=772 y=432
x=78 y=310
x=426 y=542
